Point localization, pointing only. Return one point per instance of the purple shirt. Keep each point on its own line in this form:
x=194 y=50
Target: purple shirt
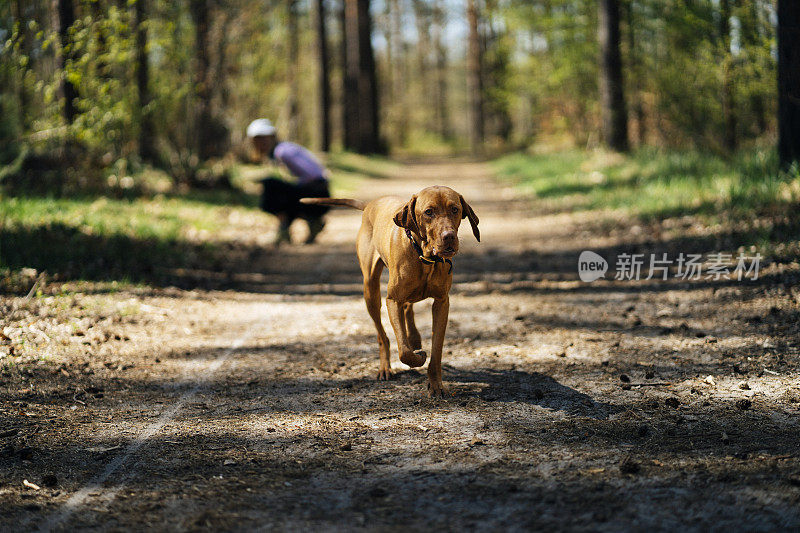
x=300 y=162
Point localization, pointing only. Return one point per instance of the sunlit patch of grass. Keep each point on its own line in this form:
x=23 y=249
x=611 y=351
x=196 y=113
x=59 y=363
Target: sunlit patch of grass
x=103 y=238
x=651 y=183
x=747 y=192
x=157 y=218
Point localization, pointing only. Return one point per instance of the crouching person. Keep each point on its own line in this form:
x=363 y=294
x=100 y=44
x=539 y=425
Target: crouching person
x=281 y=198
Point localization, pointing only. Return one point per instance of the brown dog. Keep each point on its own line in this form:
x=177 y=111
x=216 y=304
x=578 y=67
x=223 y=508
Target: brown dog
x=416 y=240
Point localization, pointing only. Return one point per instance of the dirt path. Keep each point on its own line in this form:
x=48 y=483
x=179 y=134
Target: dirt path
x=603 y=406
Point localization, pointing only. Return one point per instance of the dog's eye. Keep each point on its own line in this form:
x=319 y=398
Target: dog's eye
x=454 y=209
x=429 y=212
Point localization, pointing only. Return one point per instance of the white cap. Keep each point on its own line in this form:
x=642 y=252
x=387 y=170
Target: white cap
x=259 y=127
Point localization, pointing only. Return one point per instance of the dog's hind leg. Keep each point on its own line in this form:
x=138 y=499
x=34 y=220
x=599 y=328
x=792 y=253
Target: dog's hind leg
x=371 y=268
x=372 y=297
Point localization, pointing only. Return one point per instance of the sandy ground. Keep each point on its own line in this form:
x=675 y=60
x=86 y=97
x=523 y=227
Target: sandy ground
x=636 y=405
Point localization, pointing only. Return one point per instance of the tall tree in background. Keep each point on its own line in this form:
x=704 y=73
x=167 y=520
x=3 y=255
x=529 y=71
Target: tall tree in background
x=728 y=94
x=788 y=81
x=292 y=66
x=200 y=15
x=224 y=22
x=422 y=18
x=145 y=118
x=752 y=40
x=495 y=59
x=361 y=79
x=66 y=18
x=18 y=12
x=212 y=134
x=324 y=79
x=349 y=88
x=442 y=113
x=612 y=97
x=368 y=83
x=396 y=57
x=635 y=69
x=474 y=80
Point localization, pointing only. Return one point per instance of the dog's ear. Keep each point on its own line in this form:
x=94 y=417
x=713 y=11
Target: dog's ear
x=406 y=217
x=468 y=213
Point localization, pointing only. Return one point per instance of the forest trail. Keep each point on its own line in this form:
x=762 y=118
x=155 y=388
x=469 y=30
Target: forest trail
x=613 y=405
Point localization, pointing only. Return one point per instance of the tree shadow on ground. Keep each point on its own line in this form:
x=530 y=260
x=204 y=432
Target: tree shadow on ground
x=69 y=253
x=545 y=471
x=282 y=489
x=542 y=453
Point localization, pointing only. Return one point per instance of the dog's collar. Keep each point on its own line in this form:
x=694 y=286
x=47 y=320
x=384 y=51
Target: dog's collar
x=432 y=260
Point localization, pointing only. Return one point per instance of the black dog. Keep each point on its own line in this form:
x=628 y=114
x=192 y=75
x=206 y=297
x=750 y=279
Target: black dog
x=279 y=197
x=282 y=199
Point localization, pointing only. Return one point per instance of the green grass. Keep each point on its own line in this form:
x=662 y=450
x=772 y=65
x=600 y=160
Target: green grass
x=742 y=202
x=143 y=218
x=107 y=239
x=652 y=184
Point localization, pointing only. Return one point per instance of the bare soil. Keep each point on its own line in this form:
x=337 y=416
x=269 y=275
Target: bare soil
x=605 y=406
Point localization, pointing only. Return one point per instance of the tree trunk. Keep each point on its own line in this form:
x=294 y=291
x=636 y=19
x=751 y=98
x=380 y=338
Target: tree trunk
x=362 y=76
x=349 y=83
x=614 y=114
x=442 y=114
x=23 y=13
x=66 y=18
x=728 y=96
x=368 y=83
x=324 y=79
x=474 y=81
x=636 y=73
x=751 y=40
x=212 y=134
x=200 y=9
x=495 y=69
x=399 y=97
x=423 y=23
x=293 y=125
x=220 y=70
x=145 y=118
x=788 y=81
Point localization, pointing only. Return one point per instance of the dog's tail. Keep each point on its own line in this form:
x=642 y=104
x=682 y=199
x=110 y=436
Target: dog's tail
x=341 y=202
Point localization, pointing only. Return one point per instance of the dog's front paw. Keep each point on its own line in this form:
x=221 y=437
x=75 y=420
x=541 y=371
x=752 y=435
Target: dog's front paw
x=436 y=389
x=414 y=359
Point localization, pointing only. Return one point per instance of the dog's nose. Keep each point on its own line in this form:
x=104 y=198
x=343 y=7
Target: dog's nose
x=448 y=237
